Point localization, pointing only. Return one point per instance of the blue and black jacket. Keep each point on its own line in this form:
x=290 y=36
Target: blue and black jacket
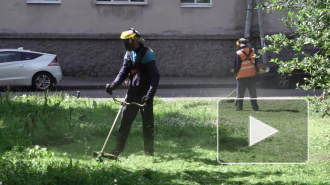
x=146 y=81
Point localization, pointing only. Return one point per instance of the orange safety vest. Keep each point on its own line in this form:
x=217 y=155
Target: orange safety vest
x=248 y=63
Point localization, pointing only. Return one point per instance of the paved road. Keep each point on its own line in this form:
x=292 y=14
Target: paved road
x=190 y=92
x=202 y=92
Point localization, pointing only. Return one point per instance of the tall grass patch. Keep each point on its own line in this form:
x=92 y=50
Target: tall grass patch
x=51 y=119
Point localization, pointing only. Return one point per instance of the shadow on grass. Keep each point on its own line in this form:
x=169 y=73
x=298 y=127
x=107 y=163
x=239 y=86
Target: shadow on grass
x=232 y=143
x=280 y=110
x=69 y=172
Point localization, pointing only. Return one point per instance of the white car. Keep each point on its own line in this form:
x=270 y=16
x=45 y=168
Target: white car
x=19 y=67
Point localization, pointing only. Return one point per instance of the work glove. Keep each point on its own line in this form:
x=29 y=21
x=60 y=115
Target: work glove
x=146 y=99
x=109 y=88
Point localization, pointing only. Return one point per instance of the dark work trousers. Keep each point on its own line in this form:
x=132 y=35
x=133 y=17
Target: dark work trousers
x=250 y=84
x=128 y=117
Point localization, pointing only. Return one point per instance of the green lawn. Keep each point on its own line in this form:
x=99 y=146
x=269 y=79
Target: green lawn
x=67 y=130
x=288 y=145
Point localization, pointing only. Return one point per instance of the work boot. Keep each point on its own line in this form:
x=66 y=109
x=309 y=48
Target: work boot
x=239 y=108
x=239 y=105
x=148 y=139
x=114 y=155
x=149 y=151
x=254 y=105
x=149 y=147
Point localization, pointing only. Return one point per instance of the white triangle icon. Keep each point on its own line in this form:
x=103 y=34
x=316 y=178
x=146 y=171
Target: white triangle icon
x=259 y=131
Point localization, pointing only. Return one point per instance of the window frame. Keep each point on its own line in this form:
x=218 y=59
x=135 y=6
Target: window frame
x=43 y=2
x=196 y=5
x=128 y=2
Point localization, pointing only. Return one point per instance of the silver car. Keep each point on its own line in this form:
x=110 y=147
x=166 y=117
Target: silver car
x=19 y=67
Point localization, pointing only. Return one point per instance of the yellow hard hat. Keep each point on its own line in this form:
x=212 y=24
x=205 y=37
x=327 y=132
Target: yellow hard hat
x=132 y=34
x=242 y=42
x=127 y=34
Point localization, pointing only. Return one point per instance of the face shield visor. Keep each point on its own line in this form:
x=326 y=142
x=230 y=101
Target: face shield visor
x=129 y=44
x=130 y=38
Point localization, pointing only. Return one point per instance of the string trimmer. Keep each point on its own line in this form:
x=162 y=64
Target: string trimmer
x=101 y=154
x=230 y=100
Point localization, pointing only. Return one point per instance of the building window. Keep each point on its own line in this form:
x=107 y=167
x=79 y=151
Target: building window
x=196 y=3
x=44 y=1
x=122 y=2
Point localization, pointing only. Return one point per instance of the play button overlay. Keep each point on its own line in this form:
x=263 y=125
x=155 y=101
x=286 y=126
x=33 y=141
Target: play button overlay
x=276 y=133
x=259 y=131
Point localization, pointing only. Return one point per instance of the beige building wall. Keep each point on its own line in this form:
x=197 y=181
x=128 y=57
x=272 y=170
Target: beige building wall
x=85 y=36
x=161 y=17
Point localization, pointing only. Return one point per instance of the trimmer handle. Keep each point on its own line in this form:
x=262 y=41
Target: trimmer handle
x=128 y=103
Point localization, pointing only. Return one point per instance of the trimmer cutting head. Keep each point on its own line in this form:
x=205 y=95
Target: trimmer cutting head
x=99 y=156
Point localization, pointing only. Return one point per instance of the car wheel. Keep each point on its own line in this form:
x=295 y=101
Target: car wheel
x=42 y=81
x=283 y=81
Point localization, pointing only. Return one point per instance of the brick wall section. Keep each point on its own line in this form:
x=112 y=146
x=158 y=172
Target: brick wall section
x=103 y=56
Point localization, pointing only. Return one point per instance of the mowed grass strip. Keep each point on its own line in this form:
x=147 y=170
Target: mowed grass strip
x=288 y=145
x=185 y=146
